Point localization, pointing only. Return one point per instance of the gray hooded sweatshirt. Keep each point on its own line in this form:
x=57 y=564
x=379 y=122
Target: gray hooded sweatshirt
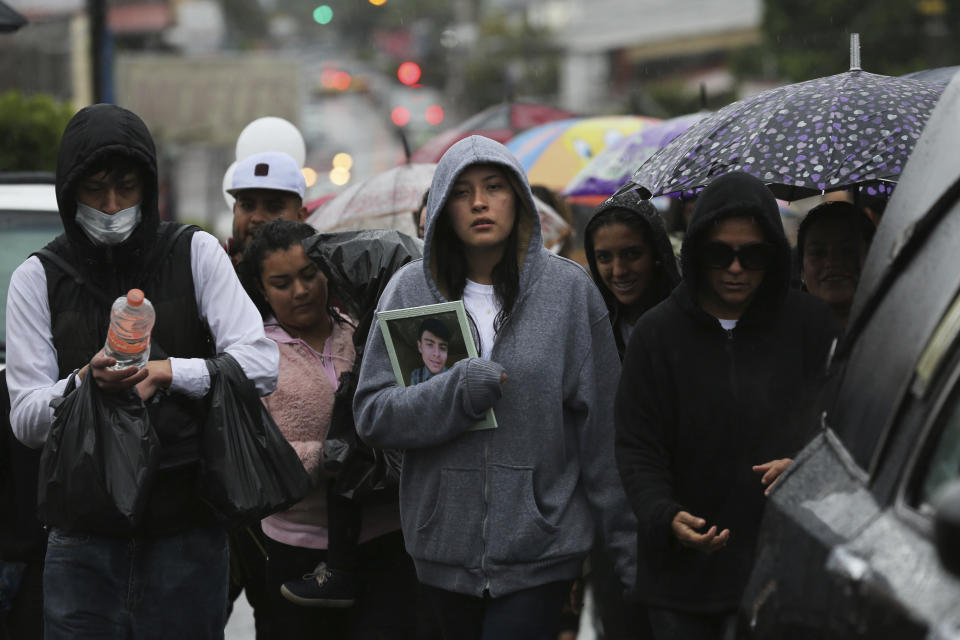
x=518 y=506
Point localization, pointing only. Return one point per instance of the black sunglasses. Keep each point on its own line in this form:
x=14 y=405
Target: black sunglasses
x=755 y=256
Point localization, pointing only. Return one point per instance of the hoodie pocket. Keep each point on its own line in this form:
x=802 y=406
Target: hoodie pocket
x=517 y=530
x=451 y=533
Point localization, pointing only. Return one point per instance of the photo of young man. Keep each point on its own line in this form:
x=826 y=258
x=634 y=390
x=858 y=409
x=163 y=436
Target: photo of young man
x=433 y=343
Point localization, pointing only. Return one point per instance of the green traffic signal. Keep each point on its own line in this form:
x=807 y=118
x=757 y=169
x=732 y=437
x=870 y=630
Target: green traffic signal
x=323 y=14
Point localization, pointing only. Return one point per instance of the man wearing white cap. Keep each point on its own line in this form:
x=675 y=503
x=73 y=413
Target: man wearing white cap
x=266 y=186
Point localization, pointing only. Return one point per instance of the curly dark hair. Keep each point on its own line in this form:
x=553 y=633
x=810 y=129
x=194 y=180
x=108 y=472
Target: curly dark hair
x=280 y=235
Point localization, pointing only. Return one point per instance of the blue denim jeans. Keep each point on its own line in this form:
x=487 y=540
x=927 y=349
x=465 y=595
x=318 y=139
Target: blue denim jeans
x=136 y=588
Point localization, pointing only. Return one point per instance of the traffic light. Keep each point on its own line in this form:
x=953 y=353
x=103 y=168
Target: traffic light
x=409 y=73
x=323 y=14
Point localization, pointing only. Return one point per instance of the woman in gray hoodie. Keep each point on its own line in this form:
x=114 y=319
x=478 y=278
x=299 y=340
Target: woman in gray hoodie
x=498 y=521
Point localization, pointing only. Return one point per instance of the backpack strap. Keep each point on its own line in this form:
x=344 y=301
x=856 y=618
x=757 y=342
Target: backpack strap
x=72 y=271
x=153 y=264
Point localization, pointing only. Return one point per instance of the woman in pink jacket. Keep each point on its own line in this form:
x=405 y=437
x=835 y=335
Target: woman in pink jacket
x=315 y=341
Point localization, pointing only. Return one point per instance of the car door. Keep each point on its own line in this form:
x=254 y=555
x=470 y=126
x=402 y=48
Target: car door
x=891 y=578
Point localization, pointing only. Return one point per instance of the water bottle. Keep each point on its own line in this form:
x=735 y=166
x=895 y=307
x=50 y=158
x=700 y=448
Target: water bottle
x=128 y=338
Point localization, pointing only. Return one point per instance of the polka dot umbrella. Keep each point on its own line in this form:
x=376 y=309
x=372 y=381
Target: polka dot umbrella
x=801 y=139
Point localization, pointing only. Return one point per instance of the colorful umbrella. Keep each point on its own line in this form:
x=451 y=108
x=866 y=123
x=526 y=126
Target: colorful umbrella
x=614 y=165
x=553 y=153
x=500 y=122
x=801 y=139
x=383 y=201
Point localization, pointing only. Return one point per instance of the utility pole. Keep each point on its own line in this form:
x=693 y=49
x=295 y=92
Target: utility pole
x=97 y=11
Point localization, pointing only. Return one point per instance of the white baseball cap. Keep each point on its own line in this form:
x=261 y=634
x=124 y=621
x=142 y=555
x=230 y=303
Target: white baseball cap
x=268 y=170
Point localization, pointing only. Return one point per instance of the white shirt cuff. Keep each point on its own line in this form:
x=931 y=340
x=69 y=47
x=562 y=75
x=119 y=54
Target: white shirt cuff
x=190 y=377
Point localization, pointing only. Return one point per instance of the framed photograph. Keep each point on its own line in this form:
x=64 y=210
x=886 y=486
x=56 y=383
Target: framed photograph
x=424 y=342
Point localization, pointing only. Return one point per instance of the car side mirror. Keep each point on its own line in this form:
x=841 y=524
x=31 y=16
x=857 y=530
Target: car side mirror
x=946 y=506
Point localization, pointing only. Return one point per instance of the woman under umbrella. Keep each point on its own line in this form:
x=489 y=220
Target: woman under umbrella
x=832 y=244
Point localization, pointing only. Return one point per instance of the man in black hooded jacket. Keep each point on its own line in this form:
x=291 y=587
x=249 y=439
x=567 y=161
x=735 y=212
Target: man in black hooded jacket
x=712 y=380
x=168 y=577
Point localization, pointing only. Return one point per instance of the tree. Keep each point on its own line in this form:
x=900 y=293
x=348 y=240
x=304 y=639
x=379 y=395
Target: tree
x=30 y=130
x=811 y=38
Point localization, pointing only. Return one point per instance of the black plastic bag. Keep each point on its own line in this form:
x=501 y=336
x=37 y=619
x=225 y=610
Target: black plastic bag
x=248 y=469
x=98 y=461
x=363 y=473
x=363 y=263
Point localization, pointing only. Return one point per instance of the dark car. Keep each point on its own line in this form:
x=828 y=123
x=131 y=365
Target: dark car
x=860 y=537
x=29 y=219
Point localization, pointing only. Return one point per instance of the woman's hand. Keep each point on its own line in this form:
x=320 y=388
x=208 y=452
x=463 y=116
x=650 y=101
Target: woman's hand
x=771 y=472
x=684 y=527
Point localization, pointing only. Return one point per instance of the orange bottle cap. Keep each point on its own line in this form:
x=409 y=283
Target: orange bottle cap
x=135 y=297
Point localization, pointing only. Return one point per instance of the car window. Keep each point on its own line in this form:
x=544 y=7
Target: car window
x=944 y=461
x=21 y=233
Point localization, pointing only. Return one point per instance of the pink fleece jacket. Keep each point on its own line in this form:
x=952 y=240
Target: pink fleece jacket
x=301 y=407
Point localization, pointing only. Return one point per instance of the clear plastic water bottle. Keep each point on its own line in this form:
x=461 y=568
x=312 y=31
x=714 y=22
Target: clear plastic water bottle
x=128 y=338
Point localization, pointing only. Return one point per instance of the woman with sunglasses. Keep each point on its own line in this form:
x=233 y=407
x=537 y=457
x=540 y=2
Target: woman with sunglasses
x=713 y=381
x=498 y=521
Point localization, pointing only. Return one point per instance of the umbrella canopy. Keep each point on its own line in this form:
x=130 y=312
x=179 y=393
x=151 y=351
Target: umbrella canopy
x=801 y=139
x=384 y=201
x=939 y=75
x=10 y=20
x=553 y=153
x=613 y=166
x=553 y=228
x=500 y=122
x=388 y=200
x=927 y=190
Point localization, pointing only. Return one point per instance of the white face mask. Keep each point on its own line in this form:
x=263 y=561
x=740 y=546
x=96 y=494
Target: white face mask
x=105 y=229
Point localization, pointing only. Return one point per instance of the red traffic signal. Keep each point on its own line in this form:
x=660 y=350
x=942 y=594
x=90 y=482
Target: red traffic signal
x=409 y=73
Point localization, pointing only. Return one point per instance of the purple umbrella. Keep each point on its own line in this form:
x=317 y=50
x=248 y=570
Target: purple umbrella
x=612 y=167
x=801 y=139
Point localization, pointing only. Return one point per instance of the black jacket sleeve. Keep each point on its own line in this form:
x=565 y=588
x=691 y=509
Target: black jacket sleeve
x=644 y=432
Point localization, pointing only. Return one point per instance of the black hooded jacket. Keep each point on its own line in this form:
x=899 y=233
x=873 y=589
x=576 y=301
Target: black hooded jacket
x=146 y=260
x=666 y=275
x=698 y=406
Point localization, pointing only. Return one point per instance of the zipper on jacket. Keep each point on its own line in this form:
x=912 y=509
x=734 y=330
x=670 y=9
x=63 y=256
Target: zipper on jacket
x=731 y=354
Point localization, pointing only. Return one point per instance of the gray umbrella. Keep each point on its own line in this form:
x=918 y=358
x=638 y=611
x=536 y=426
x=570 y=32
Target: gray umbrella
x=939 y=75
x=10 y=20
x=801 y=139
